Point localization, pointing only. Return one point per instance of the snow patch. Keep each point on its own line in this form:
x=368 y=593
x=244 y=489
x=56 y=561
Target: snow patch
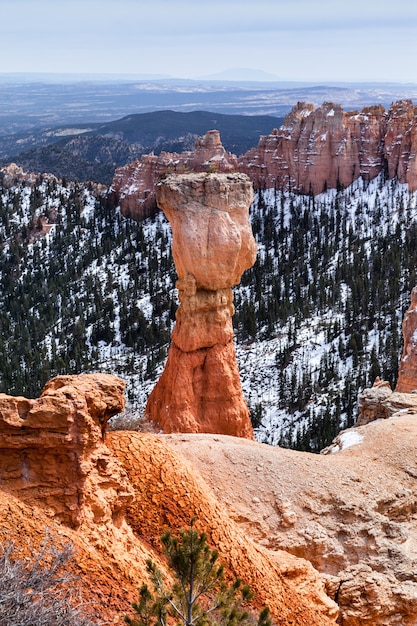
x=350 y=438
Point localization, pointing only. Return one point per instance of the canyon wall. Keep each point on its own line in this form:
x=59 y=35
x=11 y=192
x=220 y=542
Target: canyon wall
x=314 y=150
x=323 y=148
x=319 y=149
x=212 y=245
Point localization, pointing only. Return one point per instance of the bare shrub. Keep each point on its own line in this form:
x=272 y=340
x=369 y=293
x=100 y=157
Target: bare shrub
x=131 y=420
x=39 y=590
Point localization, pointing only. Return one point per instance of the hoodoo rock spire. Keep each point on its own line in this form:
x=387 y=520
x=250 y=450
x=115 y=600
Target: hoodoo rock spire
x=200 y=389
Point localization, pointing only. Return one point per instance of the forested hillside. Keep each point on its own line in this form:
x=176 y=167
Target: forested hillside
x=317 y=318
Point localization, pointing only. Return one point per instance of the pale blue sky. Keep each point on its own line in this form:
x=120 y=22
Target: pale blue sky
x=321 y=40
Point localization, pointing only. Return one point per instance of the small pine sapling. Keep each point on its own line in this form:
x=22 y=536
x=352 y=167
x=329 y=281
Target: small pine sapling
x=199 y=594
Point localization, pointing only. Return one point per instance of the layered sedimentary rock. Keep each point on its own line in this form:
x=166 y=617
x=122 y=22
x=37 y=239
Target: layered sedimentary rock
x=200 y=390
x=133 y=186
x=52 y=451
x=319 y=149
x=407 y=372
x=314 y=150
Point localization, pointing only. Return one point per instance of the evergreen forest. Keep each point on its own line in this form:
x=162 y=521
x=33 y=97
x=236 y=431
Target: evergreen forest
x=317 y=318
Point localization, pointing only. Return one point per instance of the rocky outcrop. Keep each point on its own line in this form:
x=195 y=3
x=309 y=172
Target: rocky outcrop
x=314 y=150
x=381 y=402
x=133 y=186
x=407 y=372
x=52 y=451
x=112 y=497
x=352 y=512
x=200 y=390
x=319 y=149
x=371 y=403
x=12 y=174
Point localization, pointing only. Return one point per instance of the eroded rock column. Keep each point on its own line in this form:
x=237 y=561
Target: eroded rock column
x=407 y=372
x=213 y=244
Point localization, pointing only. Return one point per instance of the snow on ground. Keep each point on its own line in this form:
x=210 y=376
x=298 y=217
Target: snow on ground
x=269 y=387
x=346 y=439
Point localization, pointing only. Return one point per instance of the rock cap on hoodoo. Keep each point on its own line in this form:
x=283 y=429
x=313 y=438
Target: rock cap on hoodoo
x=212 y=236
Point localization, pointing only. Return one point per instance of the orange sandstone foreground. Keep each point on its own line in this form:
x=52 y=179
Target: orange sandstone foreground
x=278 y=517
x=113 y=496
x=213 y=244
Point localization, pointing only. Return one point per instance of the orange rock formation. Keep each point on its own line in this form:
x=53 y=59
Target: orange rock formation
x=53 y=454
x=270 y=512
x=407 y=373
x=114 y=501
x=314 y=150
x=200 y=390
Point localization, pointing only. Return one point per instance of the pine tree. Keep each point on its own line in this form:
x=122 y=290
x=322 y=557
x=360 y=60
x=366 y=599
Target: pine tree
x=199 y=595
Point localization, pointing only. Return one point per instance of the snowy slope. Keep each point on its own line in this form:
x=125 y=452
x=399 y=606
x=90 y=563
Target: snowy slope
x=317 y=318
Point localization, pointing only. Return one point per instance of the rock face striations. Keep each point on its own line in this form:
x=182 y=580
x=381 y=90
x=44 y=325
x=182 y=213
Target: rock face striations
x=319 y=149
x=314 y=150
x=323 y=148
x=200 y=390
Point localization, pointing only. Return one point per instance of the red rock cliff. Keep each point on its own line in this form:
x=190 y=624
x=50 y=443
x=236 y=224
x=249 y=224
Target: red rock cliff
x=200 y=390
x=318 y=149
x=314 y=150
